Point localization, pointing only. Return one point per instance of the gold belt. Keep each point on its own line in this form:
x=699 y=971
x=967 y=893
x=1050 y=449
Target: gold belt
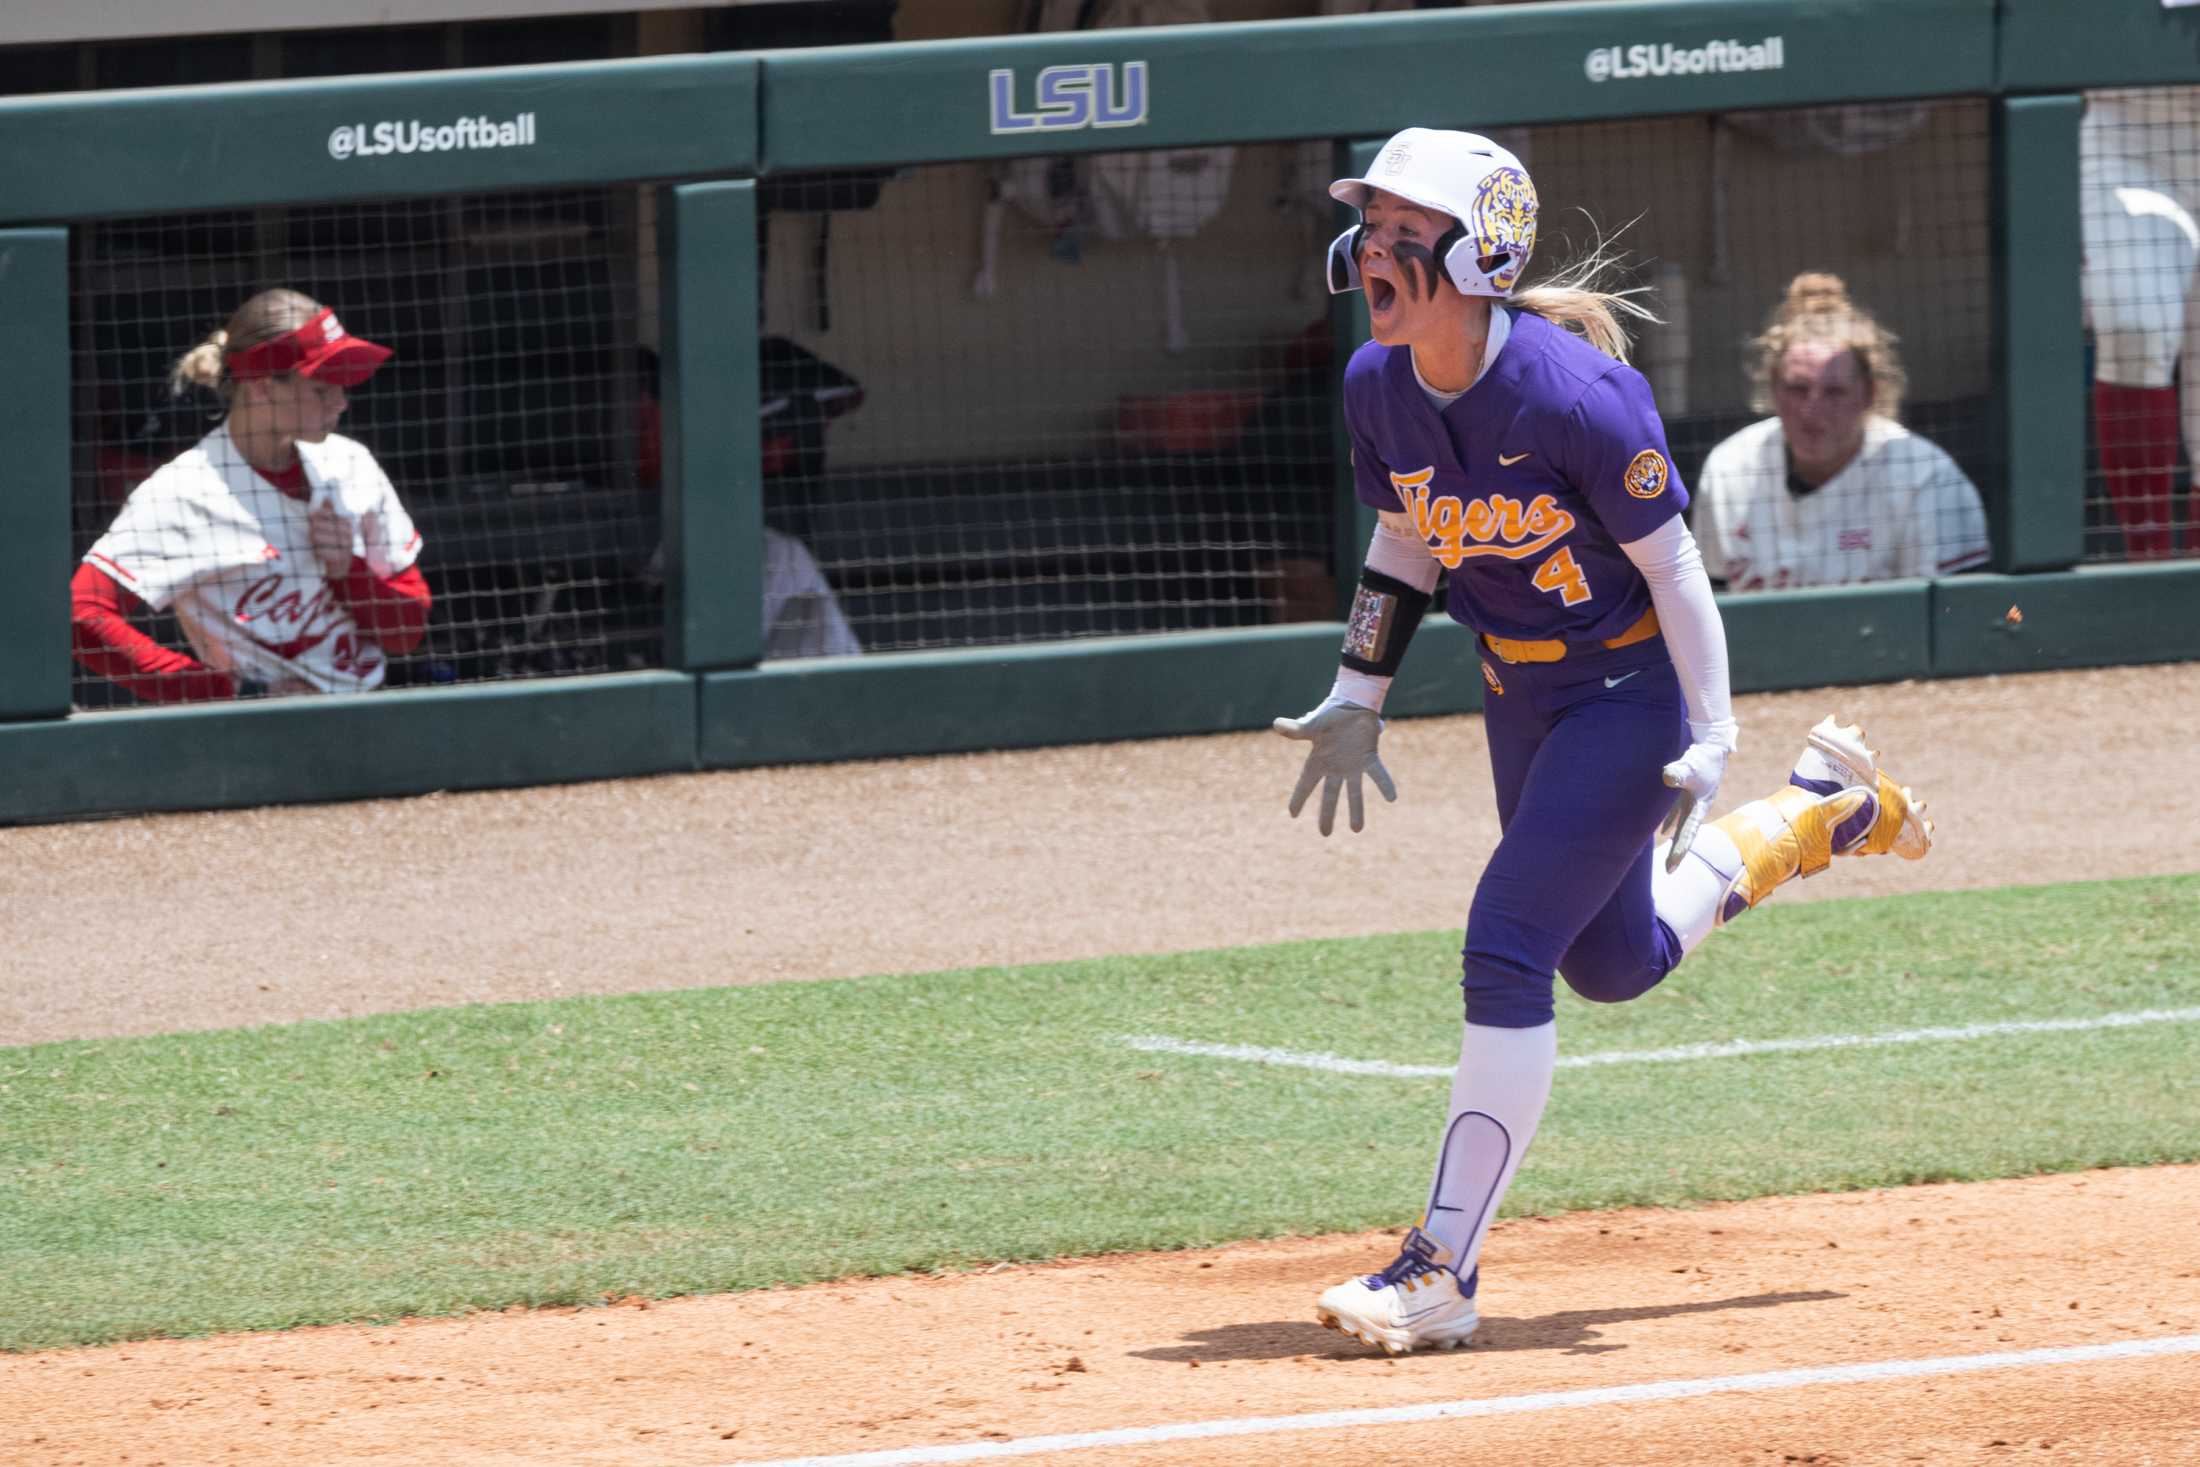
x=1551 y=649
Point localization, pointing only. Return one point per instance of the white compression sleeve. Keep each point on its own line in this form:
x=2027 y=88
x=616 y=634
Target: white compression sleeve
x=1497 y=1099
x=1395 y=553
x=1695 y=637
x=1688 y=900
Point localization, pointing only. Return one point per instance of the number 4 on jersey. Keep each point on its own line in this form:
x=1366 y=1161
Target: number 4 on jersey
x=1560 y=573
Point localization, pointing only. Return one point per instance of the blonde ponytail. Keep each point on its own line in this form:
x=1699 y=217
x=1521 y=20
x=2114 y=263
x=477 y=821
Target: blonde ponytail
x=201 y=366
x=1574 y=299
x=265 y=317
x=1815 y=290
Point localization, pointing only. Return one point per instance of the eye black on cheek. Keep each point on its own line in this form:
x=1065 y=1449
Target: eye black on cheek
x=1417 y=267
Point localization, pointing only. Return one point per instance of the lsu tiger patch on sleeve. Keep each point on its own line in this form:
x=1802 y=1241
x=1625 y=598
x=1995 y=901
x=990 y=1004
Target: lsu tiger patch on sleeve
x=1647 y=474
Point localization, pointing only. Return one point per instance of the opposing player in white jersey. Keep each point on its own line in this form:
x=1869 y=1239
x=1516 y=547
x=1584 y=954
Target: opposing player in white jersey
x=1832 y=490
x=279 y=544
x=2139 y=214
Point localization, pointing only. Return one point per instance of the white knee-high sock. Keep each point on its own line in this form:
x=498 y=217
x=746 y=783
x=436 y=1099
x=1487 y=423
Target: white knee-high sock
x=1688 y=900
x=1497 y=1099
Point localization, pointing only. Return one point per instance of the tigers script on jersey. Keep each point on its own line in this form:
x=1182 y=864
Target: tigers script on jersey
x=1525 y=486
x=232 y=555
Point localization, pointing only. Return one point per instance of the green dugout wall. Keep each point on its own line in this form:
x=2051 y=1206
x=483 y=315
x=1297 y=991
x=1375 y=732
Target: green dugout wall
x=1295 y=79
x=34 y=426
x=705 y=127
x=86 y=154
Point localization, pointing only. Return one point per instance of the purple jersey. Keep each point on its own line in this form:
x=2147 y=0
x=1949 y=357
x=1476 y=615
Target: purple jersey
x=1526 y=486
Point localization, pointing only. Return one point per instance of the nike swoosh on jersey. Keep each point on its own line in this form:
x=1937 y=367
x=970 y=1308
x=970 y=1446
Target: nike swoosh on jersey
x=1506 y=463
x=1613 y=682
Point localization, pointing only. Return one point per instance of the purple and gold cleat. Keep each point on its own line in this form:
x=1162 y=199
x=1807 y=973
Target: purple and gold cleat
x=1835 y=758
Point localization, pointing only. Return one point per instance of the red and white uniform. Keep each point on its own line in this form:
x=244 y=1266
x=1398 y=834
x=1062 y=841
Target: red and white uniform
x=2139 y=180
x=1900 y=508
x=2139 y=212
x=233 y=553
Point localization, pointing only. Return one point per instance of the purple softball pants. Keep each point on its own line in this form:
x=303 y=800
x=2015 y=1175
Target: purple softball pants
x=1577 y=748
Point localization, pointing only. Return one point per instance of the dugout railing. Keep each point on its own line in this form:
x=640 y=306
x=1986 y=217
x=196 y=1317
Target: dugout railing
x=702 y=135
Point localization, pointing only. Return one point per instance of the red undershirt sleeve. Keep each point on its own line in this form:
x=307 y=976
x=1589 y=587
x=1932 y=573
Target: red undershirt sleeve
x=106 y=643
x=394 y=611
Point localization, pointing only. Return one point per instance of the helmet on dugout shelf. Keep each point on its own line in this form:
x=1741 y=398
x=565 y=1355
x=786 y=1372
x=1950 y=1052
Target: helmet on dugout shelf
x=1480 y=185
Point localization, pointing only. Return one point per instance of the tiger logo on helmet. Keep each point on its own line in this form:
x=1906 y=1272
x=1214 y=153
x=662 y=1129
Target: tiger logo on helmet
x=1503 y=221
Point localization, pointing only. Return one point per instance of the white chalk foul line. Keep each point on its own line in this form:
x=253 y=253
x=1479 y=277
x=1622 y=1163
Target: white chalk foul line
x=1726 y=1049
x=1662 y=1390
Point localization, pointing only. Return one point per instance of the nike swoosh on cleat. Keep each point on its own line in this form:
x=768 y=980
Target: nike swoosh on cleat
x=1613 y=682
x=1506 y=463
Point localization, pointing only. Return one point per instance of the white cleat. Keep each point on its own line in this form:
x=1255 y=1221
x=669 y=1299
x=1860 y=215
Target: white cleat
x=1415 y=1302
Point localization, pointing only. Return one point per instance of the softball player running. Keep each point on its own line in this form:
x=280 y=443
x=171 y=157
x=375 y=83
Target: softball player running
x=279 y=544
x=1529 y=461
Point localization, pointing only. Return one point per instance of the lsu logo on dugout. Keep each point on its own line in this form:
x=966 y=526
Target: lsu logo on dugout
x=1066 y=98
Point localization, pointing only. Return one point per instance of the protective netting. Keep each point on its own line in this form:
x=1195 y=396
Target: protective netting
x=1852 y=440
x=1075 y=396
x=513 y=425
x=1054 y=398
x=2139 y=196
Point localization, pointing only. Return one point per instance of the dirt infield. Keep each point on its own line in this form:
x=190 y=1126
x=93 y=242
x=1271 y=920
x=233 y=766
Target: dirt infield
x=1575 y=1303
x=741 y=877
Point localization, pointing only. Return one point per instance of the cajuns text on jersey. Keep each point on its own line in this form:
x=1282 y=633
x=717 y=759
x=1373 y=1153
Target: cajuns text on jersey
x=1525 y=486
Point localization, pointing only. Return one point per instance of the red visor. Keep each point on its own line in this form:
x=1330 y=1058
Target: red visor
x=320 y=349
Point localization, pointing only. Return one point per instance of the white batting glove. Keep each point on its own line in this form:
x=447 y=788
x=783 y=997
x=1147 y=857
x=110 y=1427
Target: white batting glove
x=1344 y=736
x=1696 y=774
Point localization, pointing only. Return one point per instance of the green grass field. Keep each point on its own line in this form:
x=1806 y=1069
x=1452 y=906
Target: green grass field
x=434 y=1162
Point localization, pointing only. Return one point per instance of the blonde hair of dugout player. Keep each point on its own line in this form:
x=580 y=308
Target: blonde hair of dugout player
x=1817 y=308
x=266 y=317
